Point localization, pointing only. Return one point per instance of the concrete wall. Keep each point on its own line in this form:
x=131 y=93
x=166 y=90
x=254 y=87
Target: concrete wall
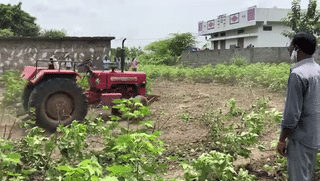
x=253 y=55
x=15 y=52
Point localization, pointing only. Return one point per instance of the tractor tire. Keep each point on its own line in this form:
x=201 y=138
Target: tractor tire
x=143 y=100
x=58 y=100
x=25 y=97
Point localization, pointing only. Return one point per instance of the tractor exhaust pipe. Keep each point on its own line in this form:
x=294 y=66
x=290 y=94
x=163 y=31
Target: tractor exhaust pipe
x=122 y=55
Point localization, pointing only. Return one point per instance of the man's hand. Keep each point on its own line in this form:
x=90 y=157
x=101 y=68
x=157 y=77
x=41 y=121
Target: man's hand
x=282 y=148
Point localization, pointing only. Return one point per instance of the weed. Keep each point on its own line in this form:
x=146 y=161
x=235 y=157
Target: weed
x=83 y=82
x=239 y=60
x=72 y=143
x=185 y=116
x=214 y=166
x=254 y=122
x=14 y=87
x=88 y=169
x=234 y=111
x=261 y=104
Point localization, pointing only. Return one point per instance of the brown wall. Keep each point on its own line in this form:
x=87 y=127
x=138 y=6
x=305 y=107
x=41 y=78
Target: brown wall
x=15 y=53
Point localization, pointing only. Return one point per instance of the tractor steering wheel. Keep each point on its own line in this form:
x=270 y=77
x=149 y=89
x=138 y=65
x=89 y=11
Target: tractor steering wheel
x=87 y=65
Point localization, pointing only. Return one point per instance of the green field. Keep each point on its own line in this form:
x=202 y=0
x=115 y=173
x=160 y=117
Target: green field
x=127 y=154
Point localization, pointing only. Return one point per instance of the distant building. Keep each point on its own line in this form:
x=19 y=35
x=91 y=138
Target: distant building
x=255 y=27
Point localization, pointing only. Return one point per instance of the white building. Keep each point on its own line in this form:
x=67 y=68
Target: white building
x=258 y=27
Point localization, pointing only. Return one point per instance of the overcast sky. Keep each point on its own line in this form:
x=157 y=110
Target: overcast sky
x=140 y=21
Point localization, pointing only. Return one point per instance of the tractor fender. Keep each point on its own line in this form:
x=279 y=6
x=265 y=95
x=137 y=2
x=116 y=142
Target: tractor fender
x=50 y=74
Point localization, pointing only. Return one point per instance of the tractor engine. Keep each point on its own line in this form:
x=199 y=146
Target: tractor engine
x=108 y=85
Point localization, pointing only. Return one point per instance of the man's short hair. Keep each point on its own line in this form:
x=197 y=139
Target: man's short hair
x=306 y=42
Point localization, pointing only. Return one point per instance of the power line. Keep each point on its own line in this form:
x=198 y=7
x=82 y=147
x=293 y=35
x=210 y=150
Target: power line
x=120 y=39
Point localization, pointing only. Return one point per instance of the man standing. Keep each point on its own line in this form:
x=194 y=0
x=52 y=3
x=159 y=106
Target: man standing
x=68 y=62
x=134 y=64
x=106 y=63
x=301 y=115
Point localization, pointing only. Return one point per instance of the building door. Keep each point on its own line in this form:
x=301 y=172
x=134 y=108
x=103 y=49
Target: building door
x=215 y=45
x=240 y=42
x=223 y=44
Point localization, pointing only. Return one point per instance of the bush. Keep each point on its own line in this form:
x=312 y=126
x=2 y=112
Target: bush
x=53 y=33
x=14 y=87
x=239 y=60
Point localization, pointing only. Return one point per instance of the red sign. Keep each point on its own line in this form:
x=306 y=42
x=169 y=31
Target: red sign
x=210 y=24
x=200 y=27
x=251 y=14
x=234 y=18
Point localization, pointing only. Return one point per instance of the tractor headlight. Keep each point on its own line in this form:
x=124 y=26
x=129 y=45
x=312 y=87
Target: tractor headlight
x=143 y=84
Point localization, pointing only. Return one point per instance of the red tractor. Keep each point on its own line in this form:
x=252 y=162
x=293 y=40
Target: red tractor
x=57 y=98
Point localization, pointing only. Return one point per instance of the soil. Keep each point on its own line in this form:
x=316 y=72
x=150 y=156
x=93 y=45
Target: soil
x=176 y=114
x=178 y=97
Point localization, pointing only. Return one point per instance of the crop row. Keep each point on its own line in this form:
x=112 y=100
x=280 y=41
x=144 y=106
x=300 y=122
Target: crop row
x=272 y=76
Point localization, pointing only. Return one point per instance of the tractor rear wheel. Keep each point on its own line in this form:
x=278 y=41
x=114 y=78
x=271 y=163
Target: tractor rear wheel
x=58 y=101
x=25 y=97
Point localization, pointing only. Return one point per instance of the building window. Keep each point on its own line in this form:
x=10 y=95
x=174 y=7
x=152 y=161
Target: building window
x=223 y=34
x=267 y=28
x=215 y=35
x=240 y=31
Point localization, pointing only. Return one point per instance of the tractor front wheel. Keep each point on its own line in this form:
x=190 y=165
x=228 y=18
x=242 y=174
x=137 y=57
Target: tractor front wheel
x=58 y=101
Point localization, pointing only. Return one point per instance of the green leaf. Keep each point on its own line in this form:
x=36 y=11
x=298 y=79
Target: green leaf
x=149 y=168
x=267 y=167
x=274 y=143
x=119 y=170
x=261 y=147
x=85 y=162
x=27 y=172
x=148 y=124
x=172 y=158
x=14 y=157
x=114 y=118
x=105 y=107
x=65 y=168
x=117 y=101
x=94 y=178
x=108 y=178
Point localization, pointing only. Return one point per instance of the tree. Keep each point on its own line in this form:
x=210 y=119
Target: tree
x=134 y=52
x=169 y=50
x=298 y=20
x=6 y=32
x=160 y=47
x=174 y=46
x=180 y=42
x=53 y=33
x=18 y=21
